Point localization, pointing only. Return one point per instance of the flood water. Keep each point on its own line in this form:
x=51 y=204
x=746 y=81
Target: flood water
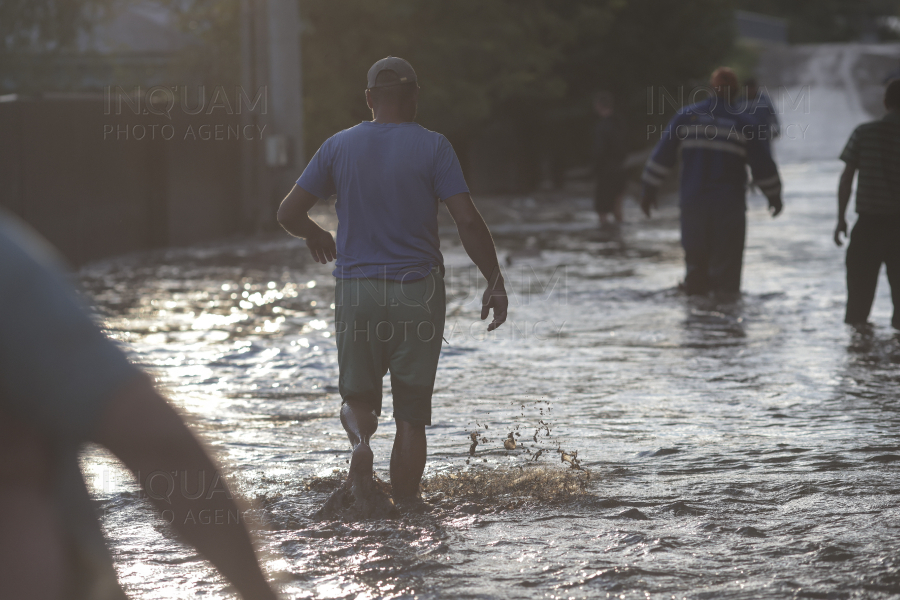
x=739 y=450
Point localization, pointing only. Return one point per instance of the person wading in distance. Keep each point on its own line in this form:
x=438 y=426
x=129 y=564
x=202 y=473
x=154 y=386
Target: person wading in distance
x=874 y=150
x=716 y=143
x=389 y=175
x=608 y=155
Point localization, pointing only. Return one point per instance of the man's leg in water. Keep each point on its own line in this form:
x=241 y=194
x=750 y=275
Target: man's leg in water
x=864 y=259
x=408 y=460
x=695 y=239
x=602 y=205
x=617 y=208
x=415 y=351
x=360 y=423
x=892 y=262
x=359 y=306
x=726 y=255
x=619 y=180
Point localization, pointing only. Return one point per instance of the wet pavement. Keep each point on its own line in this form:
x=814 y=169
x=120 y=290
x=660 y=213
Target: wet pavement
x=740 y=450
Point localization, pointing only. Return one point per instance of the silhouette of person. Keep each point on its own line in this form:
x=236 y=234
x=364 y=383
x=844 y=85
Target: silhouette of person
x=389 y=175
x=874 y=150
x=716 y=145
x=608 y=154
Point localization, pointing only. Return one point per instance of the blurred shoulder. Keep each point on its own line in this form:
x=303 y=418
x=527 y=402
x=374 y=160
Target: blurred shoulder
x=690 y=112
x=864 y=131
x=22 y=249
x=427 y=133
x=343 y=134
x=431 y=139
x=867 y=127
x=339 y=140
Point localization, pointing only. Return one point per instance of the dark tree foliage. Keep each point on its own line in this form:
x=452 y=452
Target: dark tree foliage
x=817 y=21
x=35 y=34
x=46 y=25
x=636 y=48
x=471 y=56
x=534 y=62
x=528 y=64
x=648 y=42
x=216 y=24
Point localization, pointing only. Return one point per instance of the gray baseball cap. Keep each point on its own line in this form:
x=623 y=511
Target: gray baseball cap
x=399 y=66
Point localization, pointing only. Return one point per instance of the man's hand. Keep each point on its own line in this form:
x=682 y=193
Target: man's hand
x=321 y=246
x=845 y=187
x=841 y=228
x=775 y=206
x=477 y=241
x=494 y=298
x=293 y=216
x=648 y=200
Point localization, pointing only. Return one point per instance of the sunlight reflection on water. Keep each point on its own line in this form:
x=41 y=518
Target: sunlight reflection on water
x=736 y=450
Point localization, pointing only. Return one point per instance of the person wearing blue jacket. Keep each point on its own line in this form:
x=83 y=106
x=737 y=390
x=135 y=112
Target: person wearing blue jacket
x=758 y=105
x=717 y=141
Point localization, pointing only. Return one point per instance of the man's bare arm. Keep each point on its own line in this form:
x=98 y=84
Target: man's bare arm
x=293 y=216
x=477 y=241
x=146 y=434
x=845 y=188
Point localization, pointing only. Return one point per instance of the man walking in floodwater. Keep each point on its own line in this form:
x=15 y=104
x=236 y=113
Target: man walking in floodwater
x=874 y=150
x=389 y=175
x=717 y=141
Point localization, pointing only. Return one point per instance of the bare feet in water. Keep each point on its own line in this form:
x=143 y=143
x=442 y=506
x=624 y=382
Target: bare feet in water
x=360 y=497
x=361 y=469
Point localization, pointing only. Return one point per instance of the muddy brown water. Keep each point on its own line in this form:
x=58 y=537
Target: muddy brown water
x=740 y=450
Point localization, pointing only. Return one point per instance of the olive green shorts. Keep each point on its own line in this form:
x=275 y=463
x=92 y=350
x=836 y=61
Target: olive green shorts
x=383 y=325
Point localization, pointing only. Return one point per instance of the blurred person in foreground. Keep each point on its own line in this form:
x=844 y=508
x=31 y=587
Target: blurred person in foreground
x=63 y=383
x=389 y=175
x=717 y=142
x=874 y=150
x=608 y=153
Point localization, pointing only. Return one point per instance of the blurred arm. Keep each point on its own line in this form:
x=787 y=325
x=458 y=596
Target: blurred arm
x=146 y=434
x=479 y=245
x=765 y=173
x=774 y=124
x=659 y=165
x=845 y=187
x=293 y=216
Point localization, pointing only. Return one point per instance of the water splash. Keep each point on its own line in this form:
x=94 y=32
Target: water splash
x=504 y=486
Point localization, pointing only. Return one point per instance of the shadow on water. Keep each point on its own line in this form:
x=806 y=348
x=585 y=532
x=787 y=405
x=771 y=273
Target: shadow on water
x=722 y=322
x=710 y=322
x=870 y=347
x=870 y=377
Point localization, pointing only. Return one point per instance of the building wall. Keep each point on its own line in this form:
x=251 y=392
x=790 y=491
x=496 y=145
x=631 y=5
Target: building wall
x=93 y=193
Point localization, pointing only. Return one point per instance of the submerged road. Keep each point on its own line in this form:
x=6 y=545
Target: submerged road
x=744 y=450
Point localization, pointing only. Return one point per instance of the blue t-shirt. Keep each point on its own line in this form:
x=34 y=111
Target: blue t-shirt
x=388 y=178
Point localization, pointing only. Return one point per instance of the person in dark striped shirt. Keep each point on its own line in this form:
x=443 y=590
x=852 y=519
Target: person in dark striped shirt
x=873 y=150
